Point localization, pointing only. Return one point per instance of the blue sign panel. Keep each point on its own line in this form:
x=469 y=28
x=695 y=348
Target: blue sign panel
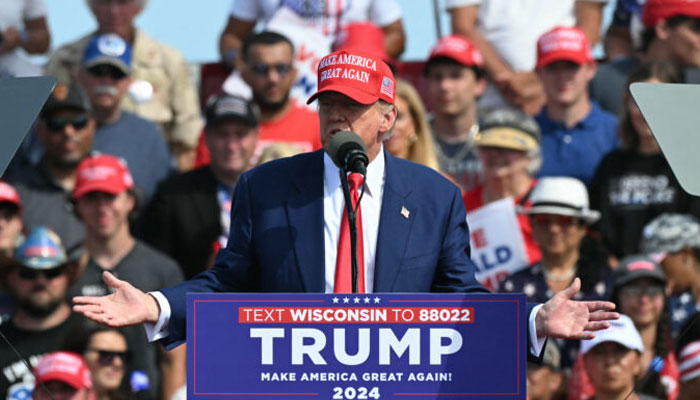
x=356 y=347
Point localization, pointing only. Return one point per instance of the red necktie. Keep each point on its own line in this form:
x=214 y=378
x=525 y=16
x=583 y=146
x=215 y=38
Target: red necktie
x=343 y=278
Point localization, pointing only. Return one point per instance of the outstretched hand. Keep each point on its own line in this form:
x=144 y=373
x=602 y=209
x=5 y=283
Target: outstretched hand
x=125 y=307
x=562 y=317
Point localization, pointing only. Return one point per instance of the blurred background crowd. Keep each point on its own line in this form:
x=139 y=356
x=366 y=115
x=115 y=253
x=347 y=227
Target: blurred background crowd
x=132 y=162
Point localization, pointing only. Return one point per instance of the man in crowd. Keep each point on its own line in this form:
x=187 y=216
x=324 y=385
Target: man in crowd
x=455 y=77
x=671 y=33
x=65 y=129
x=189 y=217
x=613 y=360
x=62 y=376
x=268 y=68
x=576 y=133
x=37 y=279
x=286 y=221
x=161 y=91
x=545 y=380
x=104 y=200
x=105 y=75
x=673 y=240
x=506 y=33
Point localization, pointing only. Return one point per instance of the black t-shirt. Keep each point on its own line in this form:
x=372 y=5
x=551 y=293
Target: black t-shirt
x=148 y=270
x=631 y=189
x=16 y=381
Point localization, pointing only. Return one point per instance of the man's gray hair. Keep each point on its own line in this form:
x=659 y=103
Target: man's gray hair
x=386 y=107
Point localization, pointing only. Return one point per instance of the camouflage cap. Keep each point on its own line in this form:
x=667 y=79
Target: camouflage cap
x=670 y=233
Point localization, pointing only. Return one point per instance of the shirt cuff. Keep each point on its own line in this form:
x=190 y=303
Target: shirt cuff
x=536 y=343
x=159 y=330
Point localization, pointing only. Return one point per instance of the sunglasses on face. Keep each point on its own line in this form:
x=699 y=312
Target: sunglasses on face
x=639 y=291
x=31 y=273
x=106 y=357
x=101 y=71
x=59 y=124
x=564 y=221
x=263 y=69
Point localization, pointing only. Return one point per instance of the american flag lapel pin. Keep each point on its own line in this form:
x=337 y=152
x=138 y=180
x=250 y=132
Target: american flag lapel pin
x=405 y=212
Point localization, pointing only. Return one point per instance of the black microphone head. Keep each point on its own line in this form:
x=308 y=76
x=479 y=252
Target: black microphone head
x=342 y=143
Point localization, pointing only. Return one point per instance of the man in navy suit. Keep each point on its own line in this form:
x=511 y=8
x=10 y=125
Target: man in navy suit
x=286 y=219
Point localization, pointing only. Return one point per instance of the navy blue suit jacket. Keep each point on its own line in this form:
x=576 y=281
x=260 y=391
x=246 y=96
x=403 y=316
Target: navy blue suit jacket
x=276 y=242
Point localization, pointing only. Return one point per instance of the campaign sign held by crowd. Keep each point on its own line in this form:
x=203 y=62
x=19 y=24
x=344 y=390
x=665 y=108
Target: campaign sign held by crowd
x=356 y=346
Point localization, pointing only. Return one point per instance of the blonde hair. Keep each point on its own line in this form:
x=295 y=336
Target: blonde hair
x=422 y=150
x=279 y=150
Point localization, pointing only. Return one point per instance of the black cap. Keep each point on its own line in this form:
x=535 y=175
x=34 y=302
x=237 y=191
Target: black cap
x=635 y=267
x=67 y=96
x=227 y=107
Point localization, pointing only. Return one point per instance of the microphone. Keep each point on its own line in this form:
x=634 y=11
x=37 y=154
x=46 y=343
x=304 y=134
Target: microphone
x=348 y=152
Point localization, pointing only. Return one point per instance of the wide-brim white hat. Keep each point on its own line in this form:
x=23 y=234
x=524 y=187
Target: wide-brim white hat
x=561 y=196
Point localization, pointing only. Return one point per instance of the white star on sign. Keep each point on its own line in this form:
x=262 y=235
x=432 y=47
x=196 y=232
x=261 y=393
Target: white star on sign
x=376 y=300
x=346 y=300
x=335 y=300
x=366 y=300
x=357 y=300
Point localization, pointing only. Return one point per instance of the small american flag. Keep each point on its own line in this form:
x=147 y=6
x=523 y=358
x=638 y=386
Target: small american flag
x=387 y=87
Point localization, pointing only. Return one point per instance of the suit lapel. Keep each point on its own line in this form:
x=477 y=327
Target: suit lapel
x=305 y=214
x=394 y=226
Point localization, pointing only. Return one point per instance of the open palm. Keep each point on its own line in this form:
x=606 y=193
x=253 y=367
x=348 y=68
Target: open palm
x=562 y=317
x=125 y=307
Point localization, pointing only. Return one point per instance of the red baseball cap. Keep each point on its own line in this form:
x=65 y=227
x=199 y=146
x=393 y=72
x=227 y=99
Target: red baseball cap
x=64 y=367
x=656 y=10
x=102 y=173
x=363 y=36
x=563 y=43
x=362 y=76
x=458 y=48
x=9 y=194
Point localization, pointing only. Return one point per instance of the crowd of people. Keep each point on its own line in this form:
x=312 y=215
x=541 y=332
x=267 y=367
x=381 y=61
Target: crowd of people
x=125 y=172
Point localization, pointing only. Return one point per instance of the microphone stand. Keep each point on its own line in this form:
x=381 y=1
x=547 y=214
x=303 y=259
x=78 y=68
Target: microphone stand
x=352 y=224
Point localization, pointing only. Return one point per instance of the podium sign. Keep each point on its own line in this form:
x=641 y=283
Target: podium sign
x=364 y=346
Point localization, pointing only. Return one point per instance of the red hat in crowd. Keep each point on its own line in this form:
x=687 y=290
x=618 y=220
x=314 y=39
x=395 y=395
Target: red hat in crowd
x=458 y=48
x=102 y=173
x=8 y=194
x=563 y=44
x=361 y=76
x=64 y=367
x=657 y=10
x=362 y=36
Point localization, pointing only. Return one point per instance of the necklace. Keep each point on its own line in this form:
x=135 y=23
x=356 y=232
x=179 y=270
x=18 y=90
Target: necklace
x=561 y=277
x=451 y=163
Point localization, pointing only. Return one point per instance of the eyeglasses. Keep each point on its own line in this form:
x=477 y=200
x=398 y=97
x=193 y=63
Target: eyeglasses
x=639 y=291
x=31 y=273
x=59 y=124
x=103 y=70
x=564 y=221
x=263 y=69
x=106 y=357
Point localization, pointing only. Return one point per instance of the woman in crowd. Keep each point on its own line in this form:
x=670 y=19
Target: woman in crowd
x=560 y=218
x=107 y=356
x=411 y=139
x=639 y=292
x=634 y=184
x=509 y=149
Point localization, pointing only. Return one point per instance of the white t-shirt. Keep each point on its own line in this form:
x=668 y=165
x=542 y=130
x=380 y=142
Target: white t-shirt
x=327 y=16
x=13 y=13
x=512 y=27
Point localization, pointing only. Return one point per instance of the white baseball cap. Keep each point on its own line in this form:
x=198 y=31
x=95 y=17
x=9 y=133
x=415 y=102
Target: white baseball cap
x=621 y=331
